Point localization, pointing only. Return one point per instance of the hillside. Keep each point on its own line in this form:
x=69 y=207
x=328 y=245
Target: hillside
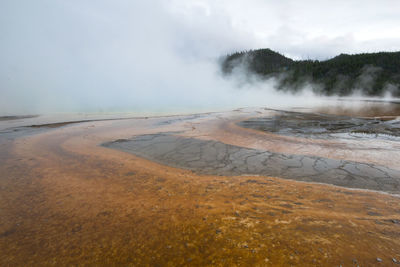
x=373 y=74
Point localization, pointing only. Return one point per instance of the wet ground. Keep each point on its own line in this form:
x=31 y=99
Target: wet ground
x=325 y=126
x=8 y=118
x=216 y=158
x=67 y=200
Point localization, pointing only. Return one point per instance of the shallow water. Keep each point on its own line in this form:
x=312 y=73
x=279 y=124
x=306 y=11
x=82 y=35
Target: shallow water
x=216 y=158
x=323 y=126
x=67 y=200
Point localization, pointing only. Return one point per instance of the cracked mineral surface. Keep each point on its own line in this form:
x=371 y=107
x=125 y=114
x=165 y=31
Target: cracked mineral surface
x=66 y=200
x=326 y=126
x=217 y=158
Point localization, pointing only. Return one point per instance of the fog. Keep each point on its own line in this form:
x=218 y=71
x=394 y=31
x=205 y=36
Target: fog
x=90 y=56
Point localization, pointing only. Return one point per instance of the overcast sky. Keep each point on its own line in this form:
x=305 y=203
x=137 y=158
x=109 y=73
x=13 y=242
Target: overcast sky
x=65 y=55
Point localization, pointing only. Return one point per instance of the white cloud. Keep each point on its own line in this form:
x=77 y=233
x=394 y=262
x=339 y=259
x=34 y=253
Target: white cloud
x=73 y=55
x=292 y=26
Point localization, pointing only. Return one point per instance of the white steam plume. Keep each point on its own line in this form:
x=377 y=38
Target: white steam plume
x=69 y=56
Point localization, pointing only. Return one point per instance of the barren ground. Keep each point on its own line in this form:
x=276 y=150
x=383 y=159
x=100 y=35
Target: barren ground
x=67 y=200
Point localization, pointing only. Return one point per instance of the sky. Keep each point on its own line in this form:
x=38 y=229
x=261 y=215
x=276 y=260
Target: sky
x=81 y=55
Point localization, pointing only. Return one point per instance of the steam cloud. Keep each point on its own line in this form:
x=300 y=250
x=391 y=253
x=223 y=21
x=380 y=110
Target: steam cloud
x=64 y=56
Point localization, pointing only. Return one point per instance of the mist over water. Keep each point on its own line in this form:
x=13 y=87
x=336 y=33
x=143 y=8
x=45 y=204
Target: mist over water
x=84 y=56
x=130 y=56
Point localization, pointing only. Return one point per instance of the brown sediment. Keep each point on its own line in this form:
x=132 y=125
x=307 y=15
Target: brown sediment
x=61 y=124
x=65 y=200
x=217 y=158
x=57 y=124
x=363 y=109
x=9 y=118
x=376 y=151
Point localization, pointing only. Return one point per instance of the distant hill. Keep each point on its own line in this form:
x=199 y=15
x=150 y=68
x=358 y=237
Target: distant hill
x=373 y=74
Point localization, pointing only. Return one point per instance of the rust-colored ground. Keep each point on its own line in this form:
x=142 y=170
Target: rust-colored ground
x=64 y=200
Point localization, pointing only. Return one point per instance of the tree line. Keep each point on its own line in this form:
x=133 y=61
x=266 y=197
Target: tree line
x=373 y=74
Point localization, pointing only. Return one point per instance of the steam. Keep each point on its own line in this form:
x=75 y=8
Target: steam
x=74 y=56
x=90 y=56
